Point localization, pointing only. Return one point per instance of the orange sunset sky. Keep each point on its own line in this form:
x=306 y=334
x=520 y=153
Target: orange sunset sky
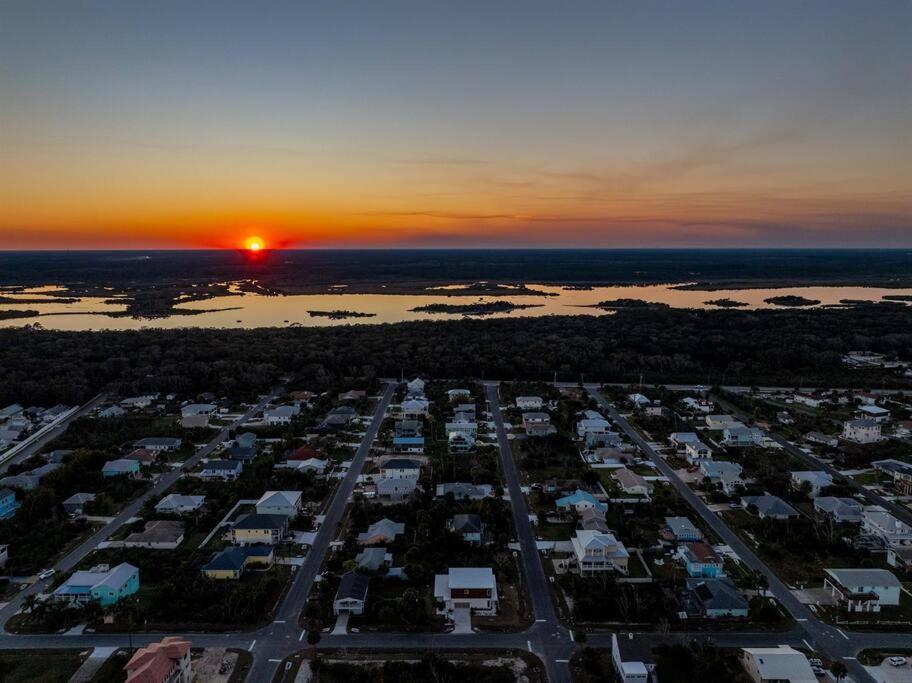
x=196 y=125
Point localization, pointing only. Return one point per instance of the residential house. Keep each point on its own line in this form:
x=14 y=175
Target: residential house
x=139 y=402
x=597 y=551
x=372 y=559
x=698 y=405
x=408 y=428
x=409 y=444
x=142 y=455
x=159 y=444
x=780 y=664
x=695 y=451
x=465 y=491
x=724 y=473
x=631 y=483
x=629 y=671
x=467 y=427
x=638 y=400
x=535 y=418
x=458 y=442
x=538 y=429
x=770 y=507
x=580 y=500
x=840 y=510
x=808 y=400
x=233 y=561
x=285 y=503
x=280 y=415
x=384 y=531
x=415 y=387
x=352 y=594
x=863 y=590
x=120 y=468
x=304 y=453
x=309 y=465
x=101 y=584
x=194 y=409
x=457 y=394
x=875 y=521
x=593 y=520
x=595 y=426
x=861 y=431
x=681 y=530
x=400 y=468
x=240 y=453
x=157 y=535
x=111 y=412
x=226 y=470
x=680 y=439
x=717 y=598
x=246 y=440
x=179 y=504
x=473 y=588
x=817 y=480
x=719 y=422
x=28 y=481
x=871 y=412
x=701 y=560
x=256 y=528
x=468 y=526
x=529 y=402
x=414 y=408
x=75 y=504
x=822 y=439
x=396 y=489
x=164 y=662
x=8 y=503
x=352 y=395
x=742 y=436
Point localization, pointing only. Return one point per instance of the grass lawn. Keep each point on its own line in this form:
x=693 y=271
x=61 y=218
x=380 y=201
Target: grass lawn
x=871 y=478
x=39 y=666
x=550 y=531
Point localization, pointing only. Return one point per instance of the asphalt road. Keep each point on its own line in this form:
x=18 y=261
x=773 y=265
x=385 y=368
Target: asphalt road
x=38 y=444
x=827 y=638
x=164 y=482
x=899 y=511
x=550 y=640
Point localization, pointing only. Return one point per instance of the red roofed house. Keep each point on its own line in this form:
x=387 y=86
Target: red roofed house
x=164 y=662
x=305 y=453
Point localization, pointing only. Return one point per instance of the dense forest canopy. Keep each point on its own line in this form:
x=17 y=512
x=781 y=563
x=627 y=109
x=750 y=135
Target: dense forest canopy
x=663 y=345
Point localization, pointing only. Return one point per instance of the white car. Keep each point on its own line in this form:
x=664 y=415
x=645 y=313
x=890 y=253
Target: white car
x=46 y=574
x=897 y=661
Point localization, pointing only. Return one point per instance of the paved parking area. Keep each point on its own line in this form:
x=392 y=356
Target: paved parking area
x=890 y=674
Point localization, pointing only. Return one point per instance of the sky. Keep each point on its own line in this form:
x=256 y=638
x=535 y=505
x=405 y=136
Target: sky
x=176 y=124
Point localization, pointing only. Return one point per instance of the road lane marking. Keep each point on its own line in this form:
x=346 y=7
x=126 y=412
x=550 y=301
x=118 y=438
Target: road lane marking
x=561 y=661
x=301 y=637
x=540 y=620
x=800 y=619
x=807 y=644
x=529 y=645
x=275 y=660
x=839 y=631
x=849 y=658
x=572 y=639
x=279 y=621
x=250 y=649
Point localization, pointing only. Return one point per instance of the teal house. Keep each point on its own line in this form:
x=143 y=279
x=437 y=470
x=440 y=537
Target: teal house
x=102 y=584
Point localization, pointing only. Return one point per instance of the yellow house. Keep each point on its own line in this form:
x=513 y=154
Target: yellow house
x=256 y=529
x=231 y=563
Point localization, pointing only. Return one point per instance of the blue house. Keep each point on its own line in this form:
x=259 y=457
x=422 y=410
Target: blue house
x=8 y=504
x=701 y=561
x=101 y=584
x=580 y=500
x=408 y=444
x=120 y=468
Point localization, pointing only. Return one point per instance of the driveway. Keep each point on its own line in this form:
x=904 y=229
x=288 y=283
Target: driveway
x=462 y=621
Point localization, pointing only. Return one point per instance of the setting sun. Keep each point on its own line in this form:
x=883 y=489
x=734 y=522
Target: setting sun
x=254 y=243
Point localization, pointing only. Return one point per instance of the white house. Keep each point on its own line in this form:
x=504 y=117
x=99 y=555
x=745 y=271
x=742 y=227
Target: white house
x=415 y=387
x=175 y=503
x=400 y=468
x=627 y=672
x=698 y=405
x=780 y=664
x=695 y=451
x=742 y=436
x=817 y=480
x=529 y=402
x=281 y=415
x=861 y=431
x=840 y=510
x=352 y=594
x=808 y=400
x=631 y=482
x=863 y=590
x=473 y=588
x=287 y=503
x=875 y=521
x=875 y=413
x=720 y=421
x=597 y=551
x=414 y=407
x=194 y=409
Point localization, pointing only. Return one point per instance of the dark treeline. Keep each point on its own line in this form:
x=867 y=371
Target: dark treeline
x=666 y=345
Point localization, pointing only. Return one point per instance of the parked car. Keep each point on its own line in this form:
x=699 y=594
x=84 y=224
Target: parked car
x=46 y=574
x=897 y=661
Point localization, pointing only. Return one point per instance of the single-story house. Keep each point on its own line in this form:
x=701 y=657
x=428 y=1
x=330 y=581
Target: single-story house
x=630 y=482
x=246 y=440
x=194 y=409
x=717 y=598
x=580 y=500
x=159 y=444
x=280 y=416
x=780 y=664
x=396 y=489
x=681 y=530
x=179 y=504
x=383 y=531
x=9 y=504
x=841 y=510
x=529 y=402
x=816 y=479
x=469 y=527
x=120 y=468
x=727 y=474
x=157 y=535
x=73 y=505
x=463 y=491
x=287 y=503
x=372 y=559
x=770 y=507
x=222 y=469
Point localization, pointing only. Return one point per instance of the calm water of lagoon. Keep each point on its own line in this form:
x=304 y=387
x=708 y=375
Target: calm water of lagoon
x=243 y=310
